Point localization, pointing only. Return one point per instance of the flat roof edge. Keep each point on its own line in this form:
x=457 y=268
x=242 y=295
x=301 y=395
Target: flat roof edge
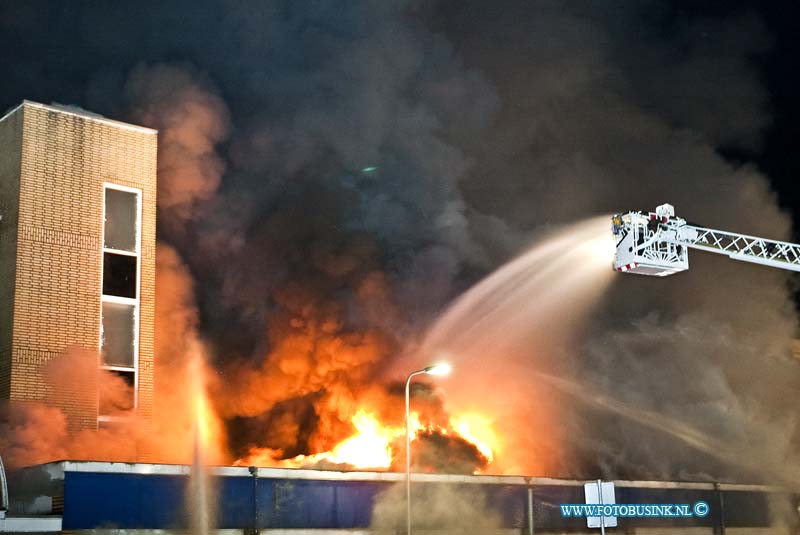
x=75 y=113
x=330 y=475
x=11 y=111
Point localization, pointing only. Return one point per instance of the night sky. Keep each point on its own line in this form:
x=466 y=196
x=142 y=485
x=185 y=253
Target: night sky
x=779 y=69
x=354 y=166
x=79 y=52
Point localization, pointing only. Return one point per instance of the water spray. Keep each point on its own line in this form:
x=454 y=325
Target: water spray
x=199 y=504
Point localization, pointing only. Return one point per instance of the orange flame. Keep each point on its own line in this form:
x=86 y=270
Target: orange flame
x=370 y=447
x=477 y=430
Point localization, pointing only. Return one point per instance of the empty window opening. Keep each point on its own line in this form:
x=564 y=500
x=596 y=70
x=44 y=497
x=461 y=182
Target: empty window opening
x=119 y=275
x=118 y=334
x=121 y=220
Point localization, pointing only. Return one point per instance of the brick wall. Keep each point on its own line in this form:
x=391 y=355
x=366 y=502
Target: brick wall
x=62 y=161
x=10 y=158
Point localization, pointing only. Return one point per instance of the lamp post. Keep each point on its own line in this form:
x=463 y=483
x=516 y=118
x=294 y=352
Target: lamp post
x=437 y=369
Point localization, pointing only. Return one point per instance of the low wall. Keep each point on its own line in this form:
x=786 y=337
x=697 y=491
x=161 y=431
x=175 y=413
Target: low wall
x=135 y=497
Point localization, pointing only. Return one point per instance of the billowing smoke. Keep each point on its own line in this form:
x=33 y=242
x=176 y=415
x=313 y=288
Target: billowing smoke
x=600 y=125
x=446 y=508
x=39 y=431
x=339 y=228
x=38 y=425
x=331 y=176
x=49 y=429
x=191 y=119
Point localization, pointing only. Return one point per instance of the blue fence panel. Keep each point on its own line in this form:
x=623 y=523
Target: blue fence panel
x=747 y=508
x=633 y=495
x=510 y=501
x=84 y=507
x=102 y=500
x=302 y=504
x=162 y=501
x=354 y=501
x=265 y=495
x=155 y=501
x=546 y=510
x=235 y=504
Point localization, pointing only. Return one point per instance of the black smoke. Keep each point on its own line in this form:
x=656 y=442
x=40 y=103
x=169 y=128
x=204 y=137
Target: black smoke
x=354 y=166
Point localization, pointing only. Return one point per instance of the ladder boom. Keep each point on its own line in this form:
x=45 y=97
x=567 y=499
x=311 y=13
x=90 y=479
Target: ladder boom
x=657 y=243
x=762 y=251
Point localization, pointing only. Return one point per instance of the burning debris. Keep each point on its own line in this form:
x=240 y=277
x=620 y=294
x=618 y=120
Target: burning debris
x=375 y=446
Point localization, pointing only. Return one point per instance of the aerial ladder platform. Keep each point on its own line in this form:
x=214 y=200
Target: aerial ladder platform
x=657 y=244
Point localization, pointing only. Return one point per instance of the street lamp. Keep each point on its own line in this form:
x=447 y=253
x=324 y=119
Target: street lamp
x=439 y=369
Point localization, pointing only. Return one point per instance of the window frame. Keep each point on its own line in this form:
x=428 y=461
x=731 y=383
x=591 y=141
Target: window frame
x=135 y=302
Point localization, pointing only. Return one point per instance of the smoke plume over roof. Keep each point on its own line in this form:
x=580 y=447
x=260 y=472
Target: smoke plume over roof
x=332 y=174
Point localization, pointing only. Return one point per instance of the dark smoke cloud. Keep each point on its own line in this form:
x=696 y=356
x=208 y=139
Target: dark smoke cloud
x=602 y=119
x=440 y=453
x=333 y=173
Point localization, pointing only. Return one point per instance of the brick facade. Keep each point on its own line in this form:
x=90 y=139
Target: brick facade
x=54 y=162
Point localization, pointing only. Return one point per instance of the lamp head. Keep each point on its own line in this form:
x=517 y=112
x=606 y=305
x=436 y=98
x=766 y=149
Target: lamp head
x=442 y=368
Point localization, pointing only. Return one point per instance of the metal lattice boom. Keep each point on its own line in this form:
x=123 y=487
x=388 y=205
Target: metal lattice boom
x=742 y=247
x=656 y=244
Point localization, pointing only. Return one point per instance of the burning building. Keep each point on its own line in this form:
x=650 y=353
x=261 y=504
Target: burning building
x=77 y=341
x=77 y=263
x=77 y=298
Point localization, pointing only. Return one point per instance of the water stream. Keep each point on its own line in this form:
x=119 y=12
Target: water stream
x=199 y=506
x=504 y=334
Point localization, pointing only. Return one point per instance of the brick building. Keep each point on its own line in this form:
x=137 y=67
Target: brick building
x=77 y=261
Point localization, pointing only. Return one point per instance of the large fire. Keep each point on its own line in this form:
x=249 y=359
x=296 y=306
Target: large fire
x=316 y=398
x=376 y=446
